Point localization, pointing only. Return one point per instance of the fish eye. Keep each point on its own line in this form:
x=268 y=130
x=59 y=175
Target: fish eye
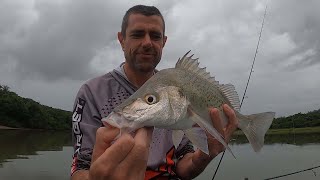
x=151 y=99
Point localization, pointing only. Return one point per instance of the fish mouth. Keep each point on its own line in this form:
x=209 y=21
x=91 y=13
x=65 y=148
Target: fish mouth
x=114 y=119
x=118 y=120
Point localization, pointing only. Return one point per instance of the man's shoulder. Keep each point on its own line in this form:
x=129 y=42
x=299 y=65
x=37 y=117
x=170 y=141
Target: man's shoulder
x=100 y=81
x=111 y=82
x=102 y=78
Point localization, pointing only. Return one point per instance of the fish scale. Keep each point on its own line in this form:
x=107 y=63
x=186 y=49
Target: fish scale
x=199 y=91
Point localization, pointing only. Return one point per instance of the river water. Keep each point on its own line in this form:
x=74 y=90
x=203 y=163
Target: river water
x=35 y=155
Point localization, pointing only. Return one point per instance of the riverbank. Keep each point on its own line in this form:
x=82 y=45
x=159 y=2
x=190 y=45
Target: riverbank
x=13 y=128
x=6 y=127
x=29 y=129
x=306 y=130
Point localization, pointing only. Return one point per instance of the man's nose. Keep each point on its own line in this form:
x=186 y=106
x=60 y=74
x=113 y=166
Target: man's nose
x=146 y=43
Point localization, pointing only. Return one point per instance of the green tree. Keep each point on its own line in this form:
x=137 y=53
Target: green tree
x=16 y=111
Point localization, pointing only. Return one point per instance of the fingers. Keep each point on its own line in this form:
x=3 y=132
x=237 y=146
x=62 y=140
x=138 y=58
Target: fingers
x=126 y=157
x=139 y=154
x=135 y=163
x=143 y=139
x=119 y=150
x=215 y=147
x=105 y=164
x=232 y=121
x=144 y=136
x=216 y=120
x=229 y=113
x=104 y=137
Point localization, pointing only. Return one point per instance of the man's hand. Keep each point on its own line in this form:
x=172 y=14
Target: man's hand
x=125 y=159
x=215 y=147
x=192 y=164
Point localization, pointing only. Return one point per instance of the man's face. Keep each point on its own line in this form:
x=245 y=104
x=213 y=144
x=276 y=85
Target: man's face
x=143 y=43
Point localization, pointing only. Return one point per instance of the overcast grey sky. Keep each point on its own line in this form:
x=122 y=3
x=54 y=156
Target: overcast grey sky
x=49 y=48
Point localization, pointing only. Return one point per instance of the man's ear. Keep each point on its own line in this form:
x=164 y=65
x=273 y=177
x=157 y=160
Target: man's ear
x=164 y=40
x=121 y=39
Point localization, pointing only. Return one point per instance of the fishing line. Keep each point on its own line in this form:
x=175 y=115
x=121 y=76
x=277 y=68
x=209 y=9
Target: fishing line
x=245 y=91
x=309 y=169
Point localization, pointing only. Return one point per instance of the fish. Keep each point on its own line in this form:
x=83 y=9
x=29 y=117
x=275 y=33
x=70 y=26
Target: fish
x=179 y=98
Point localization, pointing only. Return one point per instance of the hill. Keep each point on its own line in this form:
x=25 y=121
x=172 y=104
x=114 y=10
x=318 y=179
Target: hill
x=19 y=112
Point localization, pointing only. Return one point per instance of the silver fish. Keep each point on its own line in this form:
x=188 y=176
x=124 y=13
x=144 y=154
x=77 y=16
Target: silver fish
x=178 y=98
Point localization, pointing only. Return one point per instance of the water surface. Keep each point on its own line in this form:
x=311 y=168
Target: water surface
x=47 y=155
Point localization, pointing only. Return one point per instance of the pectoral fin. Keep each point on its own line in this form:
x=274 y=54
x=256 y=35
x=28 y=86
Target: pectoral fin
x=177 y=136
x=198 y=138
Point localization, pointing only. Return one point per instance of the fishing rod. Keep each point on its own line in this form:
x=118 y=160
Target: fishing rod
x=245 y=91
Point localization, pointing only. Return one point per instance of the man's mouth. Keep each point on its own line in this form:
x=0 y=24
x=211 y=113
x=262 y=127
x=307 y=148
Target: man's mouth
x=146 y=54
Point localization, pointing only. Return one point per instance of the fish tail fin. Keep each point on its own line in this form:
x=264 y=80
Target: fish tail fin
x=255 y=127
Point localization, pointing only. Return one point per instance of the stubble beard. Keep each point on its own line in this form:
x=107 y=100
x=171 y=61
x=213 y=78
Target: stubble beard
x=140 y=65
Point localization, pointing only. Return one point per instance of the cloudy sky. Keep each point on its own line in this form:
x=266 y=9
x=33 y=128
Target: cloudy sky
x=48 y=48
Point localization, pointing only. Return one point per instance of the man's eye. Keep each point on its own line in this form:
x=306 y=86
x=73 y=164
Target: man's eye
x=156 y=36
x=136 y=35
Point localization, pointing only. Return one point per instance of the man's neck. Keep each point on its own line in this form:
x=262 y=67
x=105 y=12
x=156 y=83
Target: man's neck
x=137 y=78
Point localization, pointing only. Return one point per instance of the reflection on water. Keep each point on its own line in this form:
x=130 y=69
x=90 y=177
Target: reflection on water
x=273 y=160
x=35 y=155
x=296 y=139
x=281 y=154
x=17 y=144
x=47 y=155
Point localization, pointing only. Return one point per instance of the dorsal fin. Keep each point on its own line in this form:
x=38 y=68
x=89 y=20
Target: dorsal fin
x=192 y=65
x=230 y=92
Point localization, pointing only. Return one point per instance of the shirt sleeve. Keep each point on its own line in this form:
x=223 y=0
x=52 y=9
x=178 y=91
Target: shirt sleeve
x=85 y=122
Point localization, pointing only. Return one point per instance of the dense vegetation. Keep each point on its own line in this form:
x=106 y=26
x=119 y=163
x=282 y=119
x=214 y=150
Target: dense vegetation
x=19 y=112
x=16 y=111
x=310 y=119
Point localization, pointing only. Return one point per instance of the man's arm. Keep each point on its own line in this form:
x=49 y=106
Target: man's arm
x=192 y=164
x=85 y=122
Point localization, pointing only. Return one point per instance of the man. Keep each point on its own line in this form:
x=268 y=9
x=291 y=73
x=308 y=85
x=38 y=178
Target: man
x=150 y=153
